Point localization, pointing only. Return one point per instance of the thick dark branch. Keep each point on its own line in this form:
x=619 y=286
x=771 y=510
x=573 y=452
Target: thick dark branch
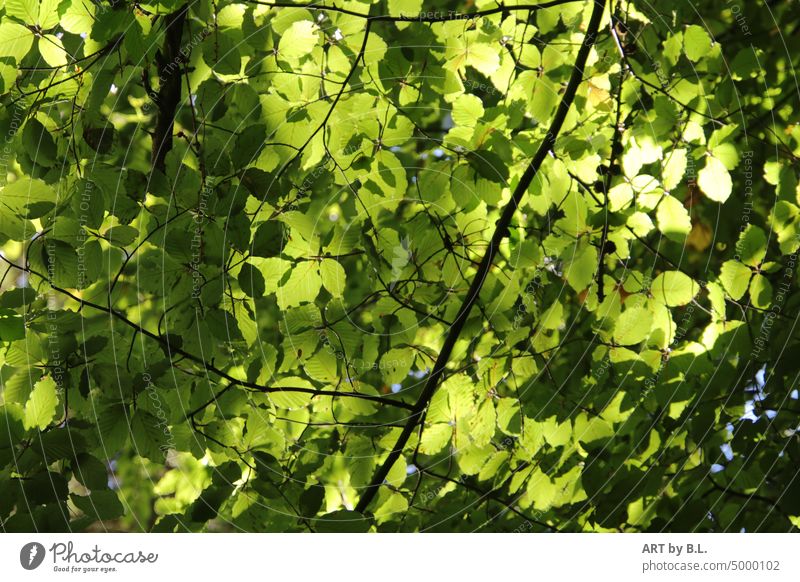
x=430 y=16
x=501 y=231
x=170 y=62
x=616 y=146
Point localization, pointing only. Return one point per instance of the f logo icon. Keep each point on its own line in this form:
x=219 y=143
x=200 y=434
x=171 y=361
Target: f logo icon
x=31 y=555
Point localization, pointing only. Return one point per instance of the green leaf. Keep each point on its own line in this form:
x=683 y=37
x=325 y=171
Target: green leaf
x=673 y=219
x=208 y=504
x=311 y=500
x=633 y=326
x=28 y=197
x=38 y=143
x=249 y=143
x=674 y=288
x=673 y=169
x=89 y=471
x=299 y=40
x=483 y=58
x=581 y=266
x=435 y=438
x=714 y=180
x=696 y=42
x=735 y=278
x=333 y=276
x=42 y=488
x=52 y=50
x=267 y=466
x=303 y=285
x=112 y=426
x=760 y=291
x=322 y=366
x=269 y=239
x=149 y=435
x=121 y=235
x=553 y=317
x=751 y=248
x=395 y=365
x=746 y=63
x=15 y=40
x=78 y=17
x=231 y=16
x=221 y=54
x=100 y=139
x=467 y=110
x=251 y=281
x=404 y=7
x=100 y=505
x=41 y=407
x=489 y=165
x=288 y=399
x=61 y=263
x=397 y=474
x=42 y=13
x=25 y=10
x=13 y=227
x=12 y=325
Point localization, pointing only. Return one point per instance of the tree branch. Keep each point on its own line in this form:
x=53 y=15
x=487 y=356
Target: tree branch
x=501 y=231
x=490 y=495
x=430 y=16
x=171 y=349
x=170 y=62
x=616 y=146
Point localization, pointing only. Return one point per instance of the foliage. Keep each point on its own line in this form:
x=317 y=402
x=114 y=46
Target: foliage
x=393 y=267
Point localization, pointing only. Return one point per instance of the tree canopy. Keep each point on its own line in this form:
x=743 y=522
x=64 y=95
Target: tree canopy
x=393 y=266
